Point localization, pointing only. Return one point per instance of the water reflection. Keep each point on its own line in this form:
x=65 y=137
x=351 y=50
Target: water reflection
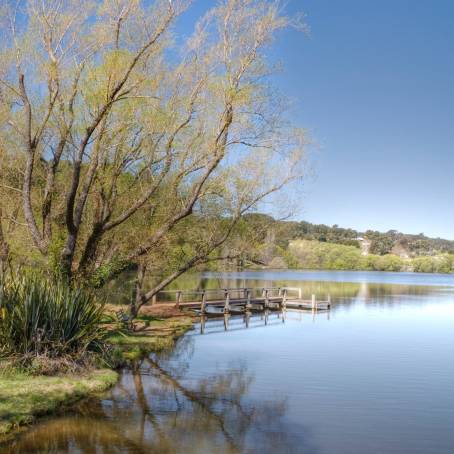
x=226 y=322
x=154 y=408
x=367 y=286
x=374 y=374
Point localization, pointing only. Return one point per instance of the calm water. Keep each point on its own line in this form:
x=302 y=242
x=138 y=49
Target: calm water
x=375 y=375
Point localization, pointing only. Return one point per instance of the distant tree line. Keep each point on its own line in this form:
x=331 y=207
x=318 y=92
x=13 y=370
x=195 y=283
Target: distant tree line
x=318 y=246
x=317 y=255
x=381 y=243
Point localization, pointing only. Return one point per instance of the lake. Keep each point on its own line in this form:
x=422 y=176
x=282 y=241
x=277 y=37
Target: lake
x=373 y=375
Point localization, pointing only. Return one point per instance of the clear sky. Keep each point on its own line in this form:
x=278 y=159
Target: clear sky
x=374 y=83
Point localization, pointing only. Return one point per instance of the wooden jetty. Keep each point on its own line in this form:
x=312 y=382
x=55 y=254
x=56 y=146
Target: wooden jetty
x=237 y=300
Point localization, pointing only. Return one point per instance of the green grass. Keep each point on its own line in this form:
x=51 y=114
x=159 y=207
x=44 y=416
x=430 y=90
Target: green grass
x=150 y=341
x=159 y=335
x=135 y=347
x=24 y=397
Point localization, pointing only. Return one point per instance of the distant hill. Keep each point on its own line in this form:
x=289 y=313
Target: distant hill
x=378 y=243
x=303 y=244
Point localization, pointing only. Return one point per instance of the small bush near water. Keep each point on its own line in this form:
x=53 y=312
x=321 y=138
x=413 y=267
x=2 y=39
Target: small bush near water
x=48 y=326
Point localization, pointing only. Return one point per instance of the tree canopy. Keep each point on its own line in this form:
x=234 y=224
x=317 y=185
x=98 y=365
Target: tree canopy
x=122 y=143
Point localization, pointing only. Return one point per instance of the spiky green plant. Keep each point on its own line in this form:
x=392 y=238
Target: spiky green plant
x=40 y=317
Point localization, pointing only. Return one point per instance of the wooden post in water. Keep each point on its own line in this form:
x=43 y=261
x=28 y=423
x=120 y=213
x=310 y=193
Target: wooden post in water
x=329 y=301
x=284 y=299
x=226 y=321
x=248 y=300
x=300 y=293
x=314 y=304
x=227 y=301
x=204 y=302
x=267 y=300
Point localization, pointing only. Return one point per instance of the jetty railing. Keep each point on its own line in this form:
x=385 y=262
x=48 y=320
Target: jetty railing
x=246 y=297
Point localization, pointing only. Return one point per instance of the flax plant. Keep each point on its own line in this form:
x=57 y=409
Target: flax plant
x=40 y=318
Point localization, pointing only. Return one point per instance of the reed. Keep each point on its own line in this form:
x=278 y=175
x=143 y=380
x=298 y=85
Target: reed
x=49 y=319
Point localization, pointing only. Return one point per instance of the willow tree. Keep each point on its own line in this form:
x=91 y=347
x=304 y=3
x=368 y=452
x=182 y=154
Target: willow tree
x=117 y=135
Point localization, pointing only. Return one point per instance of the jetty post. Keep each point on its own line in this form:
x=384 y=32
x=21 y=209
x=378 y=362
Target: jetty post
x=284 y=299
x=204 y=302
x=227 y=301
x=248 y=299
x=267 y=299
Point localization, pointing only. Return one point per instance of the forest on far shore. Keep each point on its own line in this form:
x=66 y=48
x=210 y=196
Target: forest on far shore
x=302 y=244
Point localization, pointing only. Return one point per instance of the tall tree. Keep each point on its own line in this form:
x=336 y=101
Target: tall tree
x=123 y=138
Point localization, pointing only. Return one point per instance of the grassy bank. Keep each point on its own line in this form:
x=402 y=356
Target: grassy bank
x=23 y=397
x=151 y=334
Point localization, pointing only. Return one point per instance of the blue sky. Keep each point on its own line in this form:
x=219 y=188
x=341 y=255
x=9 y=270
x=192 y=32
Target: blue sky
x=374 y=83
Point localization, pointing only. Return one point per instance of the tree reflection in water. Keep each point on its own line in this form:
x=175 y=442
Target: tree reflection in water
x=156 y=408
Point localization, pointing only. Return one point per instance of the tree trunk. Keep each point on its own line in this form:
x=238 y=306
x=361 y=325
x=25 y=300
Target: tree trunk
x=67 y=256
x=91 y=249
x=4 y=249
x=138 y=299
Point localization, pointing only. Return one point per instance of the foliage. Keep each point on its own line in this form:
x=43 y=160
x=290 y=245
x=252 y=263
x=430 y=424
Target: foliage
x=438 y=264
x=113 y=268
x=386 y=262
x=320 y=255
x=124 y=145
x=380 y=243
x=383 y=251
x=43 y=320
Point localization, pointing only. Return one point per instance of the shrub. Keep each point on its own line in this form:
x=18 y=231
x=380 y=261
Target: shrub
x=43 y=320
x=387 y=262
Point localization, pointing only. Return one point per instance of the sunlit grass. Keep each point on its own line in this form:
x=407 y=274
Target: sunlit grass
x=157 y=335
x=24 y=397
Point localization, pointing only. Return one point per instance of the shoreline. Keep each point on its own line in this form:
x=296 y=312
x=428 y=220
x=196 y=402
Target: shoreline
x=25 y=398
